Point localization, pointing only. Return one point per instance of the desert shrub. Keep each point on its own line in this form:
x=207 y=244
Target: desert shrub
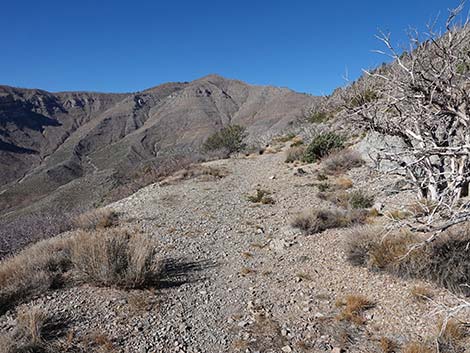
x=359 y=243
x=421 y=293
x=449 y=260
x=323 y=187
x=33 y=271
x=97 y=219
x=342 y=161
x=261 y=196
x=294 y=154
x=322 y=145
x=230 y=138
x=316 y=221
x=115 y=257
x=359 y=199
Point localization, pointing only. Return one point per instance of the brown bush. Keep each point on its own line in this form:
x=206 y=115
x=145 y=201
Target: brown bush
x=353 y=306
x=33 y=271
x=341 y=161
x=261 y=196
x=97 y=219
x=451 y=332
x=417 y=347
x=115 y=257
x=316 y=221
x=30 y=324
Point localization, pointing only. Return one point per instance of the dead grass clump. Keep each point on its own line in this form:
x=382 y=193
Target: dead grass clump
x=342 y=161
x=343 y=183
x=359 y=243
x=115 y=257
x=30 y=324
x=387 y=345
x=449 y=260
x=359 y=199
x=261 y=196
x=295 y=153
x=97 y=219
x=33 y=271
x=421 y=293
x=417 y=347
x=353 y=307
x=317 y=220
x=451 y=332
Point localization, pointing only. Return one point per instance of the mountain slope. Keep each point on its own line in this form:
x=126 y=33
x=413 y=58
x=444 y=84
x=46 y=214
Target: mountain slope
x=49 y=140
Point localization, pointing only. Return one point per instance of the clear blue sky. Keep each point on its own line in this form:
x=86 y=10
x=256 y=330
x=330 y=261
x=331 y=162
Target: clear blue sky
x=122 y=46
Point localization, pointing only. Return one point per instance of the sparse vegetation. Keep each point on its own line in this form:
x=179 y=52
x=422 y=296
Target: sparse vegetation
x=230 y=139
x=417 y=347
x=362 y=98
x=421 y=293
x=353 y=307
x=450 y=333
x=261 y=196
x=317 y=117
x=387 y=345
x=317 y=220
x=342 y=161
x=322 y=145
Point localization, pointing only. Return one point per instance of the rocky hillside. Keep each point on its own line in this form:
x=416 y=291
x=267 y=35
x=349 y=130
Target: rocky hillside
x=80 y=140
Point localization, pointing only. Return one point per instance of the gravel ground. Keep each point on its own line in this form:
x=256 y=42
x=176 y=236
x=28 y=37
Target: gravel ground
x=239 y=278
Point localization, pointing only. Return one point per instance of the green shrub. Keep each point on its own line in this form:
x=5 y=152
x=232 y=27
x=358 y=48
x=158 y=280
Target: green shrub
x=322 y=145
x=316 y=221
x=230 y=138
x=294 y=154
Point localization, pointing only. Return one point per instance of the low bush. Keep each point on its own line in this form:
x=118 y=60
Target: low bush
x=364 y=97
x=342 y=161
x=294 y=154
x=445 y=261
x=230 y=138
x=359 y=199
x=318 y=117
x=322 y=145
x=316 y=221
x=417 y=347
x=115 y=257
x=261 y=196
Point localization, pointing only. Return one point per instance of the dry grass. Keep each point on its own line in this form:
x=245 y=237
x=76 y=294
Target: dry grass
x=343 y=183
x=294 y=154
x=97 y=219
x=342 y=161
x=317 y=220
x=353 y=307
x=115 y=257
x=245 y=271
x=421 y=293
x=417 y=347
x=387 y=345
x=451 y=333
x=33 y=271
x=30 y=324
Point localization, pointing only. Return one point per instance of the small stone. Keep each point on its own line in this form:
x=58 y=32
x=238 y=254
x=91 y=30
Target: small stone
x=272 y=177
x=337 y=350
x=286 y=349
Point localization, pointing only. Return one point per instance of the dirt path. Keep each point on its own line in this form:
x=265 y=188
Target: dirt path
x=241 y=278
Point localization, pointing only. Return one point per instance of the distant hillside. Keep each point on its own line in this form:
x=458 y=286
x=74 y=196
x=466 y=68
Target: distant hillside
x=74 y=143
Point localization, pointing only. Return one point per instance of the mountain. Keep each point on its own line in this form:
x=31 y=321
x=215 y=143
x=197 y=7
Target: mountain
x=75 y=143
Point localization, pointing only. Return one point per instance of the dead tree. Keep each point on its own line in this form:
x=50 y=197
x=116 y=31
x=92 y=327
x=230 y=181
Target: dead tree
x=424 y=99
